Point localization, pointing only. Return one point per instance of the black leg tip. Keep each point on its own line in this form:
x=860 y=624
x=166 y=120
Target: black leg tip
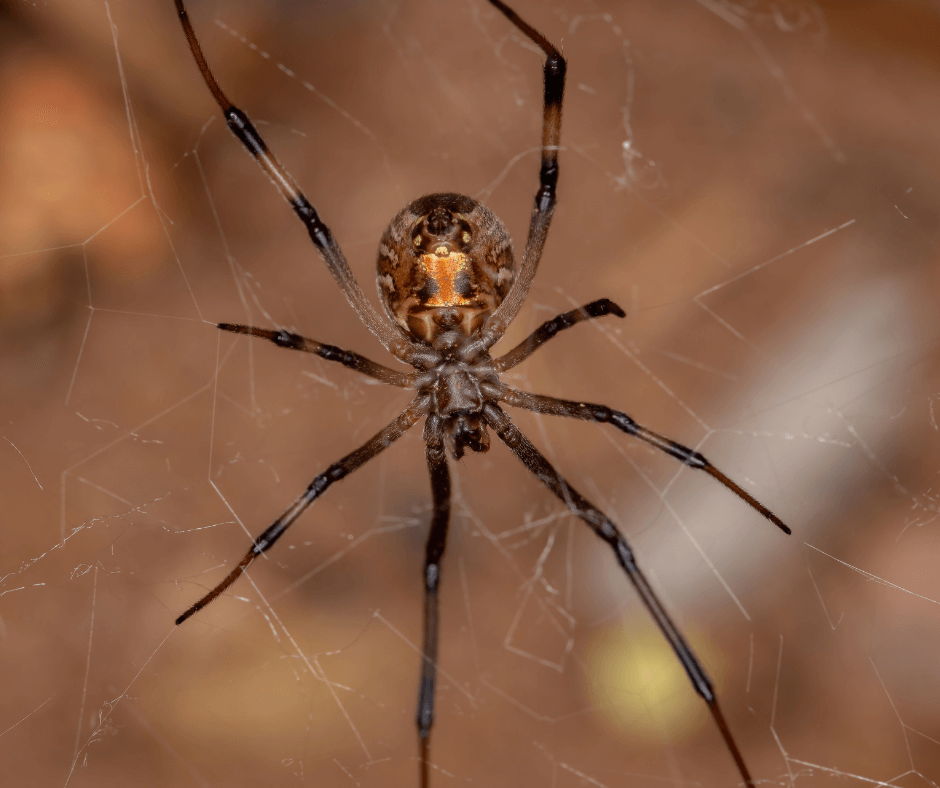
x=604 y=306
x=614 y=309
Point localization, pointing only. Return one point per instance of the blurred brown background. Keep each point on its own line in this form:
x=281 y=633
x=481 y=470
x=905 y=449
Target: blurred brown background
x=706 y=146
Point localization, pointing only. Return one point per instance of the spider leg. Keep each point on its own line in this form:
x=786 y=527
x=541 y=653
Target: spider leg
x=434 y=551
x=608 y=532
x=548 y=329
x=601 y=413
x=351 y=462
x=238 y=122
x=347 y=358
x=554 y=76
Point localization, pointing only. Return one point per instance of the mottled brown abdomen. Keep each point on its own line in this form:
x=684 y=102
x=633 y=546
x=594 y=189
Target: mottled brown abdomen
x=445 y=263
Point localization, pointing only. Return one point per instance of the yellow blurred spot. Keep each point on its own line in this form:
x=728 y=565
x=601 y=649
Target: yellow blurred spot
x=639 y=688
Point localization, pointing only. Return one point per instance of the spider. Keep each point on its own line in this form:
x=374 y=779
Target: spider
x=450 y=289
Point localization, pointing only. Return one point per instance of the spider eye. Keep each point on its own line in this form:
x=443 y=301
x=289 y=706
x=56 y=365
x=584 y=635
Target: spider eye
x=465 y=238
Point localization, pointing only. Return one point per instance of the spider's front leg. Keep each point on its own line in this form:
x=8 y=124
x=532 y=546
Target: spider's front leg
x=602 y=525
x=241 y=126
x=553 y=76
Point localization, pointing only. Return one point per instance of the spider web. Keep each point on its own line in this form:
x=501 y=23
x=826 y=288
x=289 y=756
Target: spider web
x=755 y=184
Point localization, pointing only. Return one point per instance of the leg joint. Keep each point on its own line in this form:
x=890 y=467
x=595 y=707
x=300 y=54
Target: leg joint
x=334 y=473
x=333 y=353
x=319 y=232
x=318 y=485
x=623 y=422
x=241 y=127
x=625 y=555
x=555 y=65
x=288 y=339
x=687 y=456
x=548 y=173
x=425 y=716
x=545 y=198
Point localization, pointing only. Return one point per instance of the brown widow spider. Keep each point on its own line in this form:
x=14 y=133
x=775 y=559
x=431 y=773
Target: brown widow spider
x=450 y=289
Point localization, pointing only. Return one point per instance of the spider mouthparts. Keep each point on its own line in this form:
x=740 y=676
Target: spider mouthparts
x=467 y=431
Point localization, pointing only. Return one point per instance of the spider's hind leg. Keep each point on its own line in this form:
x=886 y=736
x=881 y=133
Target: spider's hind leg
x=434 y=551
x=338 y=470
x=554 y=406
x=602 y=525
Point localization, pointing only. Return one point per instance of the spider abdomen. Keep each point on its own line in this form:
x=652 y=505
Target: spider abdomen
x=445 y=263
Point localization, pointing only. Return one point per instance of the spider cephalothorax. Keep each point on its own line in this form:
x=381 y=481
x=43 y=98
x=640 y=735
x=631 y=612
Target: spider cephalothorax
x=458 y=391
x=450 y=290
